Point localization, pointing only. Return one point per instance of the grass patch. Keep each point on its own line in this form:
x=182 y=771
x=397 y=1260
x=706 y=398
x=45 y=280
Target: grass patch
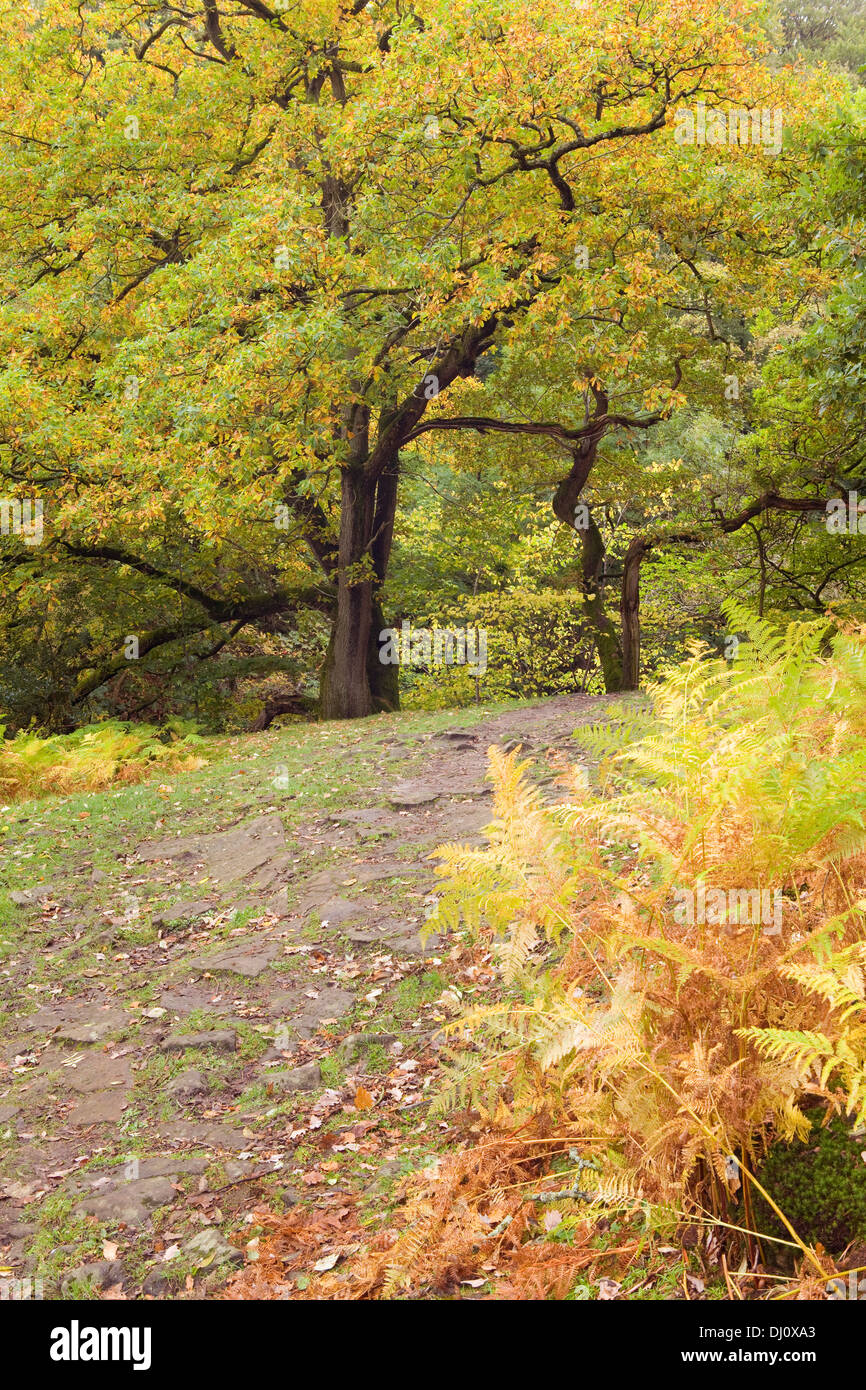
x=64 y=1239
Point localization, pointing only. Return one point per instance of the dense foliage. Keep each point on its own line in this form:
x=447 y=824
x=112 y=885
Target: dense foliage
x=320 y=317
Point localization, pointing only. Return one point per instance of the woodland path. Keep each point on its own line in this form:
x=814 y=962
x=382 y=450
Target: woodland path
x=240 y=1017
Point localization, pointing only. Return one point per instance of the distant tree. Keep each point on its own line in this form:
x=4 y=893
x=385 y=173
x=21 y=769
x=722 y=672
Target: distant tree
x=832 y=31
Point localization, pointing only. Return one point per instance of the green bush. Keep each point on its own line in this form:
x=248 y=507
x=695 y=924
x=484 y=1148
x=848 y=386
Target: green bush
x=537 y=645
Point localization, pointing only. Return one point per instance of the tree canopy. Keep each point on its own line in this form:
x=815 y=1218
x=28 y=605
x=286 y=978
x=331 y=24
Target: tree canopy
x=263 y=266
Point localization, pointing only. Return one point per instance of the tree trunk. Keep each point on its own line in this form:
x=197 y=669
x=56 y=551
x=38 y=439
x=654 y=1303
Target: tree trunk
x=604 y=633
x=630 y=612
x=345 y=686
x=384 y=679
x=354 y=681
x=565 y=502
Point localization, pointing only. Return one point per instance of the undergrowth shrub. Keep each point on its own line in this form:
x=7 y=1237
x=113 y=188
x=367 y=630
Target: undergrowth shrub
x=537 y=644
x=678 y=1050
x=100 y=755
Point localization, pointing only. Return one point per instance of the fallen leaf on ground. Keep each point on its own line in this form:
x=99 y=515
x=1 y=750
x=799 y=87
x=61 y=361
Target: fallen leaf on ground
x=322 y=1266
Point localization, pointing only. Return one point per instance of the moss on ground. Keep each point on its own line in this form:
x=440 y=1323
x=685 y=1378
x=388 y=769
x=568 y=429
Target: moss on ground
x=819 y=1184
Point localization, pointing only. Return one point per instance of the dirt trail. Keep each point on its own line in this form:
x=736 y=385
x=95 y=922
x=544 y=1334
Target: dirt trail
x=287 y=1043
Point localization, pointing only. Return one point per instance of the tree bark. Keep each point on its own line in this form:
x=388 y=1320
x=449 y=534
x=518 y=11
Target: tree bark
x=630 y=612
x=384 y=679
x=565 y=501
x=354 y=681
x=345 y=685
x=607 y=642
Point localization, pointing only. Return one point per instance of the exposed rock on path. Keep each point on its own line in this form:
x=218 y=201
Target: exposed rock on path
x=254 y=986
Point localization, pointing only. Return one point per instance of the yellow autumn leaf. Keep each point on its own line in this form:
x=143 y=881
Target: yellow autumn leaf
x=363 y=1099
